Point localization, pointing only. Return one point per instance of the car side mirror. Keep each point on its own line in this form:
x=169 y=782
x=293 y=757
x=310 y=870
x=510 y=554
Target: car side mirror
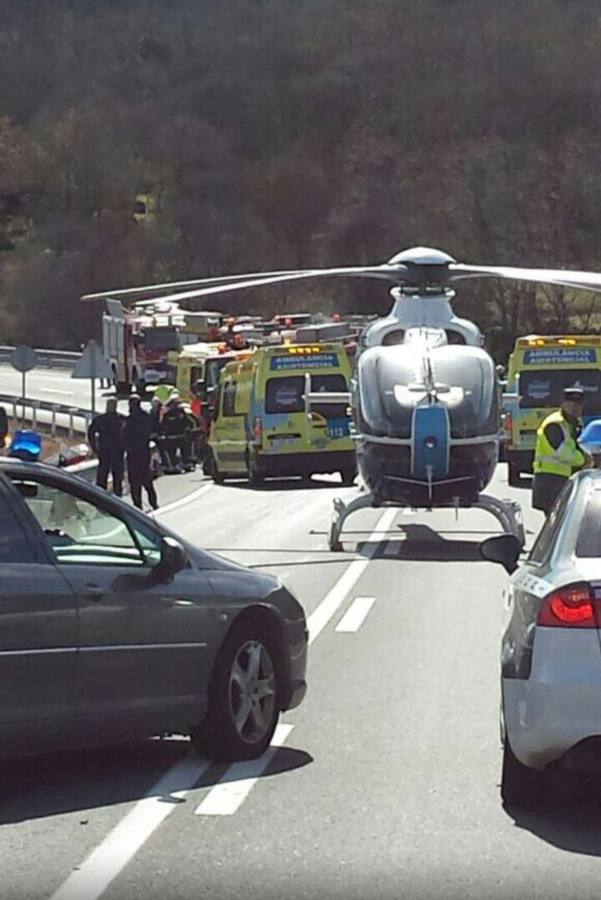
x=173 y=557
x=502 y=548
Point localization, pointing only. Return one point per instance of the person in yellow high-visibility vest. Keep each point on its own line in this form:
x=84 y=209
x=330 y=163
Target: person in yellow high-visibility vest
x=558 y=455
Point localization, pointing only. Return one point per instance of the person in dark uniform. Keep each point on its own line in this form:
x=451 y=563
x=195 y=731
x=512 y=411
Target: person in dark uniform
x=558 y=455
x=3 y=427
x=104 y=437
x=177 y=428
x=135 y=439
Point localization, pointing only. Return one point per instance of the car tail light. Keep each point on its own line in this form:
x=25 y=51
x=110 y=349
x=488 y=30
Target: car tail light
x=508 y=427
x=258 y=430
x=572 y=606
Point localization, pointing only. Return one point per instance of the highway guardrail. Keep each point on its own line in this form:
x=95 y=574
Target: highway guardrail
x=49 y=359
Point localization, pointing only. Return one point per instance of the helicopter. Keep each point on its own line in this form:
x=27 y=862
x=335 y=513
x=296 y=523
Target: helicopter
x=425 y=396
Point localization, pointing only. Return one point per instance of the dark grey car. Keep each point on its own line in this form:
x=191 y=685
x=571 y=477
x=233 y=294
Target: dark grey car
x=111 y=627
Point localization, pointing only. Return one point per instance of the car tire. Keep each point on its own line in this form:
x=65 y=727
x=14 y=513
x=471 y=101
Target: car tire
x=255 y=475
x=513 y=475
x=213 y=469
x=520 y=785
x=348 y=475
x=246 y=667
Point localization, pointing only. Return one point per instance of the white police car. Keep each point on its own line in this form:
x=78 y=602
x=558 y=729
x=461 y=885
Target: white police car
x=551 y=649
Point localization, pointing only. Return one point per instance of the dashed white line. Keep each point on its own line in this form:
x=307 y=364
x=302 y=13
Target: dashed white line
x=330 y=604
x=356 y=614
x=121 y=844
x=235 y=785
x=104 y=864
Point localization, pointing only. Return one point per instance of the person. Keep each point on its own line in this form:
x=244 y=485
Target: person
x=177 y=425
x=104 y=437
x=558 y=455
x=135 y=440
x=3 y=427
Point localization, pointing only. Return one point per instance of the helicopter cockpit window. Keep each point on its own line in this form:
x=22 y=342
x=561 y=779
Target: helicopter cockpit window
x=394 y=337
x=454 y=337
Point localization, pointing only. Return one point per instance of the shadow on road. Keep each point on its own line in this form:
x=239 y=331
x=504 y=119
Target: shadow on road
x=570 y=818
x=82 y=781
x=287 y=484
x=423 y=543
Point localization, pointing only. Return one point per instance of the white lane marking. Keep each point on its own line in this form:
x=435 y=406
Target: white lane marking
x=57 y=391
x=189 y=498
x=330 y=604
x=121 y=844
x=356 y=614
x=235 y=785
x=408 y=511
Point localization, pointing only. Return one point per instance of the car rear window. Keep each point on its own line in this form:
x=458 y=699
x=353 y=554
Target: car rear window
x=285 y=395
x=588 y=544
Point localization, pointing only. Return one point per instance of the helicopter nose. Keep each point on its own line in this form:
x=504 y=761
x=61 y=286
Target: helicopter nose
x=430 y=442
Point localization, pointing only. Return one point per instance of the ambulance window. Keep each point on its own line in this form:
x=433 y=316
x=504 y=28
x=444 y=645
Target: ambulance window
x=284 y=395
x=229 y=398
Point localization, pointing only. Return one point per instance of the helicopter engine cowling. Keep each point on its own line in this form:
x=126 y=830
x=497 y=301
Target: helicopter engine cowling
x=428 y=423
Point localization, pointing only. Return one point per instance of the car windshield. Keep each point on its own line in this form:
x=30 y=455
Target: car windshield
x=162 y=339
x=545 y=388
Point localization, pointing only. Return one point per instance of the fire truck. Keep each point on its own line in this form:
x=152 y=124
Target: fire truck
x=137 y=342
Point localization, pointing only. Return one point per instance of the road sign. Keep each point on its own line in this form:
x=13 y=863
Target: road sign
x=92 y=364
x=23 y=358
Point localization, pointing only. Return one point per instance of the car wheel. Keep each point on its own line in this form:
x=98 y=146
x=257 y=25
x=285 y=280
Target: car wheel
x=520 y=785
x=513 y=475
x=348 y=474
x=255 y=475
x=243 y=704
x=214 y=470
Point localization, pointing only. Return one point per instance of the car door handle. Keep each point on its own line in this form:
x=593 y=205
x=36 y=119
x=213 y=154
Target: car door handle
x=94 y=592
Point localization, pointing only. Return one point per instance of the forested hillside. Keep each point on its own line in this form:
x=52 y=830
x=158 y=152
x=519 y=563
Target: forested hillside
x=145 y=140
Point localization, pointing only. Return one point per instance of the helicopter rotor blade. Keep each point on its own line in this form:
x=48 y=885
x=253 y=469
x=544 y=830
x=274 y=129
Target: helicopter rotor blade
x=588 y=281
x=238 y=282
x=170 y=286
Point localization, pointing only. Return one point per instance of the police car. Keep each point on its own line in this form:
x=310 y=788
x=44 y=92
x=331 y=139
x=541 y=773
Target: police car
x=551 y=648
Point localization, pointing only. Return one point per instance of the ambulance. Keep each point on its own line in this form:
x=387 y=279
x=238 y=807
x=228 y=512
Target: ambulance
x=539 y=369
x=266 y=425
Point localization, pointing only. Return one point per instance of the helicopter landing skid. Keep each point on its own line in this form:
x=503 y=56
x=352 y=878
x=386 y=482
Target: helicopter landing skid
x=507 y=512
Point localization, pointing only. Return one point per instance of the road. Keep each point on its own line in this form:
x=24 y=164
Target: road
x=387 y=781
x=51 y=385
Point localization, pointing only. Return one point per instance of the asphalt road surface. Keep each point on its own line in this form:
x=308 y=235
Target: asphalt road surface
x=385 y=780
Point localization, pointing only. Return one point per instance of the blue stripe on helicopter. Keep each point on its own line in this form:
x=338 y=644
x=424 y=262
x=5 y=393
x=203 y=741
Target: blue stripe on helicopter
x=430 y=442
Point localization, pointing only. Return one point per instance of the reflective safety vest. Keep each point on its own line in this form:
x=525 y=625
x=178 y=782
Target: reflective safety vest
x=564 y=460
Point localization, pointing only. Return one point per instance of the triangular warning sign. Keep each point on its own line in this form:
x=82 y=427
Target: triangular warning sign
x=92 y=363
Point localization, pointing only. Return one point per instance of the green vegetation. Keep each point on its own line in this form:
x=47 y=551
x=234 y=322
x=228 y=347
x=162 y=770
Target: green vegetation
x=274 y=133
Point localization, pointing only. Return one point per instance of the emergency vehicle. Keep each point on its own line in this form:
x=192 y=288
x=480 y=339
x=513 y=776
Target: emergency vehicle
x=539 y=369
x=137 y=342
x=263 y=424
x=202 y=362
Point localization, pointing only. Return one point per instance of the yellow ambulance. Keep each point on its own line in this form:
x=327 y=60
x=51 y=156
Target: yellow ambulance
x=539 y=369
x=266 y=425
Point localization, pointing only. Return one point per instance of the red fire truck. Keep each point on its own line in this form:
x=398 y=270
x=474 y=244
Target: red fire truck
x=137 y=342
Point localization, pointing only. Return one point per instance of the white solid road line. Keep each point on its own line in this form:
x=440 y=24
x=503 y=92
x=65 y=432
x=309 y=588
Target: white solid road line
x=235 y=785
x=57 y=391
x=330 y=604
x=355 y=616
x=177 y=504
x=121 y=844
